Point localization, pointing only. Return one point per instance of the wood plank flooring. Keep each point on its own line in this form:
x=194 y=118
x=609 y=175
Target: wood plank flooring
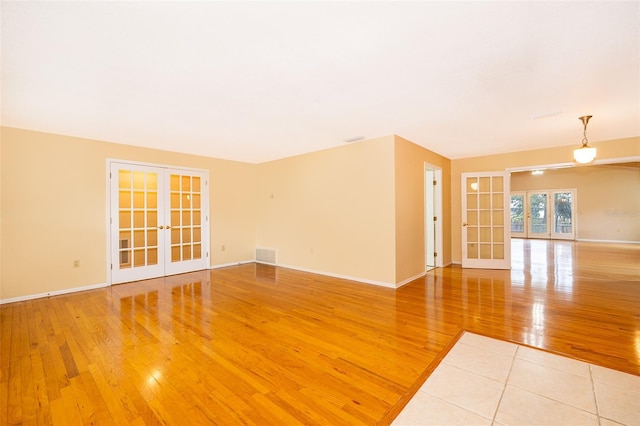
x=256 y=344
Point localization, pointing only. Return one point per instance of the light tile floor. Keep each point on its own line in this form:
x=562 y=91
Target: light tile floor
x=484 y=381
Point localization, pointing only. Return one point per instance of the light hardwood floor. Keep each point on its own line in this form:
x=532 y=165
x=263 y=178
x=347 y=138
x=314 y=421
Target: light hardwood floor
x=258 y=344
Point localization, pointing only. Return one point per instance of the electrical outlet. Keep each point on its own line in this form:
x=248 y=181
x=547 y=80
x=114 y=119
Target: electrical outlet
x=76 y=263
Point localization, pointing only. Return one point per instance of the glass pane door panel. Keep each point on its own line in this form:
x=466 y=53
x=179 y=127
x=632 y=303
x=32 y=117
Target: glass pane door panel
x=498 y=217
x=485 y=217
x=472 y=218
x=485 y=184
x=485 y=201
x=498 y=251
x=563 y=226
x=517 y=214
x=562 y=213
x=485 y=251
x=538 y=215
x=136 y=217
x=185 y=216
x=497 y=201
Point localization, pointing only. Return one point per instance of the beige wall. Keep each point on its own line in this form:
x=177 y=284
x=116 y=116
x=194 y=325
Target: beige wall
x=353 y=211
x=332 y=211
x=619 y=148
x=608 y=198
x=410 y=162
x=54 y=209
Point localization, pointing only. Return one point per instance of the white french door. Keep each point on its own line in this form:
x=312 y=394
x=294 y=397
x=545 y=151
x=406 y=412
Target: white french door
x=548 y=214
x=158 y=221
x=538 y=214
x=518 y=215
x=486 y=236
x=563 y=226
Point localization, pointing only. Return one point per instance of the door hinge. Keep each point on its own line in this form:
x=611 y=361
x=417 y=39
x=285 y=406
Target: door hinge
x=435 y=254
x=112 y=266
x=435 y=182
x=435 y=218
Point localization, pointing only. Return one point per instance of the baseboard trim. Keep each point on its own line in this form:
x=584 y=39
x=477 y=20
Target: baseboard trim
x=53 y=293
x=344 y=277
x=408 y=280
x=589 y=240
x=226 y=265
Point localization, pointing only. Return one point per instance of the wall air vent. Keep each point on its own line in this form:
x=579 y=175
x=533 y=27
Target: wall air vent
x=266 y=255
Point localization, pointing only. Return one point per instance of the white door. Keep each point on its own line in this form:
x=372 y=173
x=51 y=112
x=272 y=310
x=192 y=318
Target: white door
x=563 y=225
x=187 y=226
x=486 y=236
x=538 y=214
x=158 y=221
x=518 y=214
x=544 y=214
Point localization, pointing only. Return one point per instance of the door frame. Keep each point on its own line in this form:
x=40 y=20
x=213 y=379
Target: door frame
x=437 y=212
x=551 y=235
x=206 y=243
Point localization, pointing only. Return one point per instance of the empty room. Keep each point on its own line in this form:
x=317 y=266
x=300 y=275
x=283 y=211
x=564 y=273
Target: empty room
x=320 y=213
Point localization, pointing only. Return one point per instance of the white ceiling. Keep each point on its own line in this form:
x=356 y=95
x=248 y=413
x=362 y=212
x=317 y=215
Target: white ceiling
x=256 y=81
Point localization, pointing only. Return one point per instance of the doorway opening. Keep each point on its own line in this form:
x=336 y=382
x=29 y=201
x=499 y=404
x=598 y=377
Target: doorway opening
x=546 y=214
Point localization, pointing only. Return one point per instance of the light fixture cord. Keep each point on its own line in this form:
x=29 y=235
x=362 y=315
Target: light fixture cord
x=585 y=120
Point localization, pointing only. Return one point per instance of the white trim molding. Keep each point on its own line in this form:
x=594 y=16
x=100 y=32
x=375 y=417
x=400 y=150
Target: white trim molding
x=53 y=293
x=226 y=265
x=344 y=277
x=408 y=280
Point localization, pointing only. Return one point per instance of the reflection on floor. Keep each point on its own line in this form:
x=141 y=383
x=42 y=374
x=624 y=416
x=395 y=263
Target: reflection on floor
x=484 y=381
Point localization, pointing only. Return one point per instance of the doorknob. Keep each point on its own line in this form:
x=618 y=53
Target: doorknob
x=464 y=223
x=160 y=227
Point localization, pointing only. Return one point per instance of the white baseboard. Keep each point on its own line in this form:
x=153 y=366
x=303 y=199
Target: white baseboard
x=344 y=277
x=226 y=265
x=588 y=240
x=53 y=293
x=408 y=280
x=223 y=265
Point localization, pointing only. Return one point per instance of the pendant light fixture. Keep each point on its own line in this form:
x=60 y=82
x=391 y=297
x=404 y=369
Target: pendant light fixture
x=584 y=154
